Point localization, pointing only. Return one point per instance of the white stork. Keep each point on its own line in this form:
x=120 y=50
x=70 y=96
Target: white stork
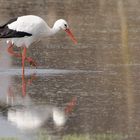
x=25 y=30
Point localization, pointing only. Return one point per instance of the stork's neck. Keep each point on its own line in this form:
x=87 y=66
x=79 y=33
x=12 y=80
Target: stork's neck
x=54 y=29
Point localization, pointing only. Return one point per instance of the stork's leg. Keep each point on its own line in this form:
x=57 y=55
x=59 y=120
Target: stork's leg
x=23 y=86
x=23 y=72
x=31 y=61
x=10 y=50
x=13 y=53
x=23 y=59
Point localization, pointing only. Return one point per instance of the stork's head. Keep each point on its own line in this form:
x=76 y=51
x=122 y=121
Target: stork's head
x=62 y=24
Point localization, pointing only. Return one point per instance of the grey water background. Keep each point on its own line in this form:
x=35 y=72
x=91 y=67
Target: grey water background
x=101 y=71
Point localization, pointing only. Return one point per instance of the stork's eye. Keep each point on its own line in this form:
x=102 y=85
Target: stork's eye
x=65 y=25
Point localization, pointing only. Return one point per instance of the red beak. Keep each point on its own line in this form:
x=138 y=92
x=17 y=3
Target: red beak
x=71 y=35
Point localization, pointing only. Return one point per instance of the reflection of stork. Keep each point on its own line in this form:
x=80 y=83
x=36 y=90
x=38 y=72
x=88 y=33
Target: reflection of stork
x=33 y=116
x=59 y=115
x=25 y=30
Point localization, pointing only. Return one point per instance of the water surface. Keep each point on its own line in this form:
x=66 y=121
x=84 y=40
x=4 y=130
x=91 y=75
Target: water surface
x=83 y=91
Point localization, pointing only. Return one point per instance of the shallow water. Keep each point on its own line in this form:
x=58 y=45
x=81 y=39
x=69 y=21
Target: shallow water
x=84 y=91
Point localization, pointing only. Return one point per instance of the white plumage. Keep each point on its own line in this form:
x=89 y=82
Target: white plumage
x=30 y=24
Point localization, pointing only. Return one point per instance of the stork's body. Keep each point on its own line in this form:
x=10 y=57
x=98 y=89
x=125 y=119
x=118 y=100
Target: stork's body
x=25 y=30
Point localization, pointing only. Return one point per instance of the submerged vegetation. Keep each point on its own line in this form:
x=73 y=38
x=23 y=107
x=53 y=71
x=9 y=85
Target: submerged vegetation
x=87 y=137
x=94 y=137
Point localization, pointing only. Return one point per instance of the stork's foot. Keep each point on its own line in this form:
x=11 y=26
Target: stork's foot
x=31 y=62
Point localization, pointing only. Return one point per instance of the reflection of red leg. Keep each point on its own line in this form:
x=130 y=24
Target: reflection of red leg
x=29 y=82
x=28 y=59
x=23 y=74
x=70 y=105
x=23 y=86
x=26 y=83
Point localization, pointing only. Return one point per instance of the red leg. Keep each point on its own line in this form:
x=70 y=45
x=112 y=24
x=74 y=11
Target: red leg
x=23 y=72
x=23 y=86
x=10 y=50
x=31 y=61
x=23 y=59
x=28 y=59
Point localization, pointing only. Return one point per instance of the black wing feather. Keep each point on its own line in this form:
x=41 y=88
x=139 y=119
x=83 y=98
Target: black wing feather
x=5 y=32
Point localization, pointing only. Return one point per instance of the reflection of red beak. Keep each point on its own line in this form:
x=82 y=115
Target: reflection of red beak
x=71 y=35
